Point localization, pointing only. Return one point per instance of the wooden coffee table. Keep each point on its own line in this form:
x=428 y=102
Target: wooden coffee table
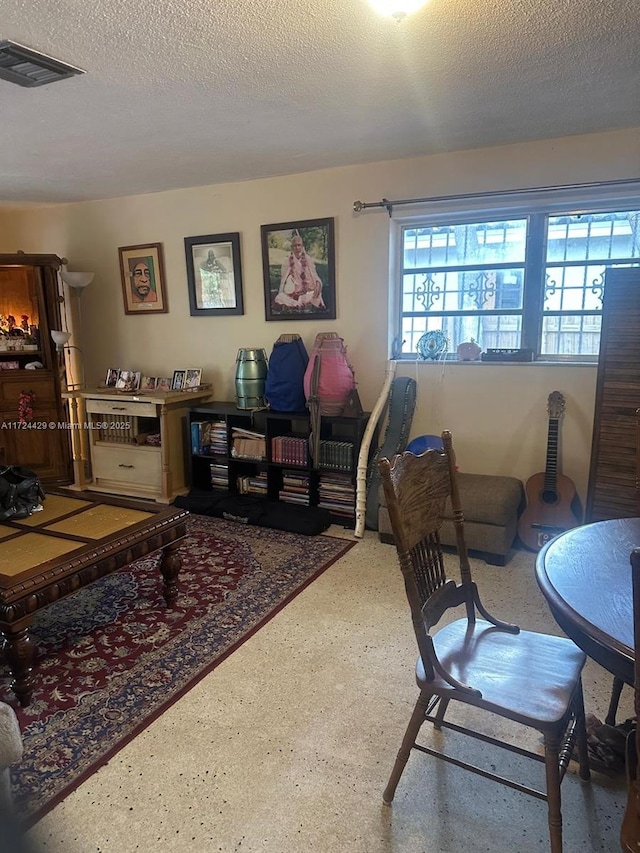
x=71 y=543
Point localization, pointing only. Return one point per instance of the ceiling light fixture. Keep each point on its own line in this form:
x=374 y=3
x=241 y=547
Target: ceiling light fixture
x=27 y=67
x=397 y=9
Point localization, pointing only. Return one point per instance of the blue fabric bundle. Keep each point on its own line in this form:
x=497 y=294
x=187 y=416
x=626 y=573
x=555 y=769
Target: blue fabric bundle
x=284 y=388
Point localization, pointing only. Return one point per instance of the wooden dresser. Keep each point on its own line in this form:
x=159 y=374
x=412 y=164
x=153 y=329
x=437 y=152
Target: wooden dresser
x=614 y=470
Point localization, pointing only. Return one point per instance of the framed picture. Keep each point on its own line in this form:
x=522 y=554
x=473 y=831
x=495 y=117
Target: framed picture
x=298 y=264
x=128 y=380
x=112 y=377
x=148 y=383
x=214 y=275
x=177 y=383
x=142 y=273
x=163 y=383
x=193 y=377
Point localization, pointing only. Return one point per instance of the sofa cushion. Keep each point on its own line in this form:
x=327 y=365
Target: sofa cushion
x=485 y=498
x=488 y=498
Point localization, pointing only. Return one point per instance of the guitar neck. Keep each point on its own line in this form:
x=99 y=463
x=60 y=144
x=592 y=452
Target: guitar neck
x=551 y=468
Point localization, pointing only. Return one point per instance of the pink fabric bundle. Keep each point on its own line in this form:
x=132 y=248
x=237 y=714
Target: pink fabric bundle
x=336 y=379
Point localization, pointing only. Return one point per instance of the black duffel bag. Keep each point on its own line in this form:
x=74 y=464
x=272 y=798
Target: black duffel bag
x=20 y=492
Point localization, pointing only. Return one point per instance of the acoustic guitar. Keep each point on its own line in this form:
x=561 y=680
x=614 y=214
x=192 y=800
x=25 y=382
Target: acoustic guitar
x=549 y=494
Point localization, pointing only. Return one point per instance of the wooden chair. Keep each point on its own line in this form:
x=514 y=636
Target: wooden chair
x=630 y=834
x=533 y=679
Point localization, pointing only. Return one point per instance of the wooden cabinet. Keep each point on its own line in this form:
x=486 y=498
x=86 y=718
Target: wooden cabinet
x=29 y=309
x=613 y=473
x=277 y=465
x=135 y=441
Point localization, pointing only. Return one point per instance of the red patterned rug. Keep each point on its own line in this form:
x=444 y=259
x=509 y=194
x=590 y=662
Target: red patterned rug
x=112 y=657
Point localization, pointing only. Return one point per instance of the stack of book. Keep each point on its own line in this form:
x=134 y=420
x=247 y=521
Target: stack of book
x=295 y=488
x=256 y=485
x=289 y=450
x=208 y=438
x=337 y=494
x=336 y=454
x=248 y=444
x=219 y=476
x=218 y=438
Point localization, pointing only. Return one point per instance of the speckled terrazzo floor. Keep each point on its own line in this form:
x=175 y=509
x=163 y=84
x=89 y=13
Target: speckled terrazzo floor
x=287 y=745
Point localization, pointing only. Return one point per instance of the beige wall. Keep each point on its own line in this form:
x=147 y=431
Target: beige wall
x=497 y=413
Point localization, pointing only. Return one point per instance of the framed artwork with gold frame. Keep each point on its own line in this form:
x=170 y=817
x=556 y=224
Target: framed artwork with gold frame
x=143 y=280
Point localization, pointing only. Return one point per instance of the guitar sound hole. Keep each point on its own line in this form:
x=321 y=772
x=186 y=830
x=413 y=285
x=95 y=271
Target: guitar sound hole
x=549 y=497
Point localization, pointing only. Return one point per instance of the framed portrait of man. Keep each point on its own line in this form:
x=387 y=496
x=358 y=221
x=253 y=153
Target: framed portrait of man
x=143 y=284
x=298 y=264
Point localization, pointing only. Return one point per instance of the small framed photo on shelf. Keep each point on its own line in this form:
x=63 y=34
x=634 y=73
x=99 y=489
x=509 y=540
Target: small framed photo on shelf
x=142 y=273
x=128 y=380
x=193 y=377
x=163 y=384
x=214 y=275
x=111 y=378
x=148 y=383
x=298 y=264
x=177 y=383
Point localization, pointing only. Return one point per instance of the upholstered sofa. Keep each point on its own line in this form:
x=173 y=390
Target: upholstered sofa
x=491 y=506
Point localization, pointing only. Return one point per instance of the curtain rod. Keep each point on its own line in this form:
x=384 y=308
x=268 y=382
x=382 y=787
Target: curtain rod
x=389 y=205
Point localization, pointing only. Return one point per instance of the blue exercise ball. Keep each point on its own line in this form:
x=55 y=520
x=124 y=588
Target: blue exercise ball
x=425 y=442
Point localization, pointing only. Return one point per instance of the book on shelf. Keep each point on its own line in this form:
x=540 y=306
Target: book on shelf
x=249 y=448
x=252 y=485
x=219 y=475
x=208 y=438
x=289 y=450
x=335 y=454
x=240 y=432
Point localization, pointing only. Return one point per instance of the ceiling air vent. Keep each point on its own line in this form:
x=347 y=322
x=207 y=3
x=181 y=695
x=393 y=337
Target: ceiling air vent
x=26 y=67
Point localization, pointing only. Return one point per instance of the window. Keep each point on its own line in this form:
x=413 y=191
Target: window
x=534 y=280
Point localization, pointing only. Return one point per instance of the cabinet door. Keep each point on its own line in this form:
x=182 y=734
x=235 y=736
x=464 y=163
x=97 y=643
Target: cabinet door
x=612 y=491
x=29 y=308
x=44 y=450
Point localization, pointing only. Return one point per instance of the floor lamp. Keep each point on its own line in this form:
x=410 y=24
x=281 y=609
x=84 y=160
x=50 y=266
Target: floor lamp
x=77 y=415
x=77 y=281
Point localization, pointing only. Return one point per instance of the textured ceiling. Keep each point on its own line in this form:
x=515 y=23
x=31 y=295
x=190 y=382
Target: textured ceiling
x=185 y=93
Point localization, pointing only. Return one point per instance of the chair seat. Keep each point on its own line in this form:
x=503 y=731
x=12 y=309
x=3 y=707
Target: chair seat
x=527 y=677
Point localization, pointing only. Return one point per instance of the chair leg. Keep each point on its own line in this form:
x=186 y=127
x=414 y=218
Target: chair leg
x=581 y=734
x=552 y=766
x=417 y=719
x=442 y=709
x=616 y=690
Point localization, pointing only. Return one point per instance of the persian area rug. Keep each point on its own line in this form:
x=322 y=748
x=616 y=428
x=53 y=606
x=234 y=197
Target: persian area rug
x=112 y=657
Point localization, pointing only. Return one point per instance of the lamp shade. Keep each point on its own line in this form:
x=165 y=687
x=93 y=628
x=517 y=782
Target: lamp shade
x=60 y=338
x=77 y=280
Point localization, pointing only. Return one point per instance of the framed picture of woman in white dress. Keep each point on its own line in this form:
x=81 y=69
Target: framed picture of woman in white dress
x=298 y=263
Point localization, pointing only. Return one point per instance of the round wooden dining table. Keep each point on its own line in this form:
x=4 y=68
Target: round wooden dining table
x=585 y=576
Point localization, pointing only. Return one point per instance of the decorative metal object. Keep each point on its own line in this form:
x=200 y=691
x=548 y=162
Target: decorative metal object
x=433 y=345
x=251 y=374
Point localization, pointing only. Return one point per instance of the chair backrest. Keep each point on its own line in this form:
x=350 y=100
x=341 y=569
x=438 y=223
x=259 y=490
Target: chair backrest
x=630 y=833
x=416 y=490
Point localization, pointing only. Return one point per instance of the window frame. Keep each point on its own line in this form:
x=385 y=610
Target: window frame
x=536 y=207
